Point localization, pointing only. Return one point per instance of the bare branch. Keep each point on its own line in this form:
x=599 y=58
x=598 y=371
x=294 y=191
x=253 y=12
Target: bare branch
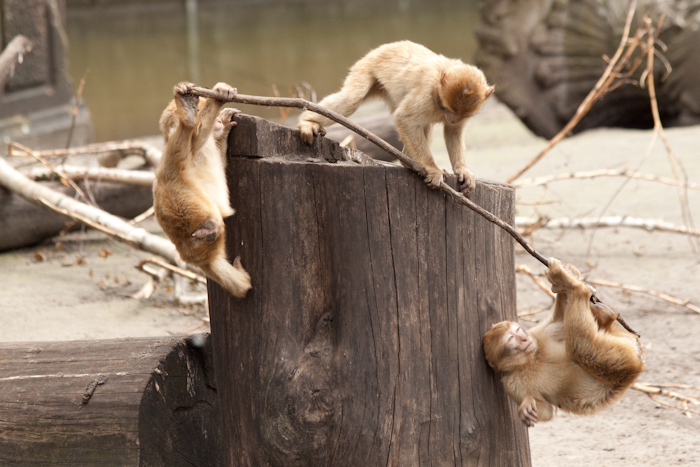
x=634 y=288
x=130 y=177
x=608 y=221
x=622 y=172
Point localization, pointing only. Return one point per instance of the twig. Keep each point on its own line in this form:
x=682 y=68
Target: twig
x=609 y=221
x=658 y=127
x=158 y=275
x=66 y=180
x=174 y=269
x=143 y=216
x=652 y=390
x=110 y=148
x=130 y=177
x=74 y=111
x=406 y=161
x=622 y=172
x=634 y=288
x=596 y=93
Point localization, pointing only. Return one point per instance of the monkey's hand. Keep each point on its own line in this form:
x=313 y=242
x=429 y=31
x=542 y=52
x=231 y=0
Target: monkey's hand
x=226 y=116
x=433 y=177
x=309 y=130
x=226 y=92
x=467 y=181
x=528 y=411
x=186 y=103
x=564 y=277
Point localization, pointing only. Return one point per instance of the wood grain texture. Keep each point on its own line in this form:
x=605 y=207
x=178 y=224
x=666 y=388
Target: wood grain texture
x=360 y=343
x=156 y=406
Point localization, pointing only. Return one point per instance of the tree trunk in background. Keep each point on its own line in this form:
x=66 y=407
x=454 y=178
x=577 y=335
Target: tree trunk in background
x=545 y=56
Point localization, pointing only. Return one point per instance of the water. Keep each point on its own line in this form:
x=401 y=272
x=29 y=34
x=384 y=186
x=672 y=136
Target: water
x=135 y=55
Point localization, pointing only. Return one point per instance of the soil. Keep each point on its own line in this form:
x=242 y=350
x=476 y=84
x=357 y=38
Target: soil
x=79 y=286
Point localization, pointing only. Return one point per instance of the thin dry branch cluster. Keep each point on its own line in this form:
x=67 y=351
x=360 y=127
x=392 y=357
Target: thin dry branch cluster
x=632 y=53
x=679 y=401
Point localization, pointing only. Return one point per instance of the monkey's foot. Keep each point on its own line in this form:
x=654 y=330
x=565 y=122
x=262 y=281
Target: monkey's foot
x=226 y=116
x=564 y=277
x=207 y=231
x=186 y=103
x=226 y=92
x=434 y=177
x=309 y=130
x=467 y=181
x=528 y=411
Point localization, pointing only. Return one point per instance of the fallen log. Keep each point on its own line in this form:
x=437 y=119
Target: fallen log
x=126 y=402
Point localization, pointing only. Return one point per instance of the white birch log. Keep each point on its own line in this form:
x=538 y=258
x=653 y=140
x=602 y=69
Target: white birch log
x=607 y=221
x=35 y=192
x=129 y=177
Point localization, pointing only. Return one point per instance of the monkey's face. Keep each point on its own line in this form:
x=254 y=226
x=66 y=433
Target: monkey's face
x=507 y=346
x=516 y=341
x=462 y=91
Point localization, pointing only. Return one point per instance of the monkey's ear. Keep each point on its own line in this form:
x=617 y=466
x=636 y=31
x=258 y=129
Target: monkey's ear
x=443 y=78
x=489 y=91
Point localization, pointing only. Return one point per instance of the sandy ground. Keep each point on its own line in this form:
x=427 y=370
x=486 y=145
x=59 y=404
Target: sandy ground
x=80 y=286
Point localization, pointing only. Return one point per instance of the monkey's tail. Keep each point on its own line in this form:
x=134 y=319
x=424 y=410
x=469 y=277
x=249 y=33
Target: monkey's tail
x=232 y=277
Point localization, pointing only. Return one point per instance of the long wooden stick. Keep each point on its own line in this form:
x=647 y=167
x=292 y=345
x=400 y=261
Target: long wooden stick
x=405 y=160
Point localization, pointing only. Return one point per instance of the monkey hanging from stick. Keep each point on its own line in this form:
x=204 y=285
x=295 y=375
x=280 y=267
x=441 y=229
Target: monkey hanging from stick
x=190 y=194
x=579 y=359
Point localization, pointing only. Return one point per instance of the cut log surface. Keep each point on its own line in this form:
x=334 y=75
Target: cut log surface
x=360 y=343
x=149 y=402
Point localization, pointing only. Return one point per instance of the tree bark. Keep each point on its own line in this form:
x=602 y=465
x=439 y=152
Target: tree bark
x=149 y=402
x=545 y=56
x=360 y=343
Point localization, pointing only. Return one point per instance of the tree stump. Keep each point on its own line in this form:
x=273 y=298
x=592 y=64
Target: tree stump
x=148 y=402
x=545 y=56
x=360 y=343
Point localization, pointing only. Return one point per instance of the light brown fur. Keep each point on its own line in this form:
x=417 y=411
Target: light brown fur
x=582 y=361
x=421 y=88
x=190 y=194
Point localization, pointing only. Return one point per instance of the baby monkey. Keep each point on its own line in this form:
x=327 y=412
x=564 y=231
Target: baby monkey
x=190 y=194
x=421 y=88
x=579 y=359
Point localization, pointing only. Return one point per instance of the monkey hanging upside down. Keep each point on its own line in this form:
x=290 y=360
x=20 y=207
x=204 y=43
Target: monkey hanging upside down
x=190 y=194
x=579 y=359
x=421 y=88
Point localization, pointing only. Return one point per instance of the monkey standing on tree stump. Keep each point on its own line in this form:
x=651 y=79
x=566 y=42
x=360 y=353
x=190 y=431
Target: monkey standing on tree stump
x=422 y=88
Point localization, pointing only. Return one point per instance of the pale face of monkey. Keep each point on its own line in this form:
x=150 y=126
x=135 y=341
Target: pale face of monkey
x=516 y=341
